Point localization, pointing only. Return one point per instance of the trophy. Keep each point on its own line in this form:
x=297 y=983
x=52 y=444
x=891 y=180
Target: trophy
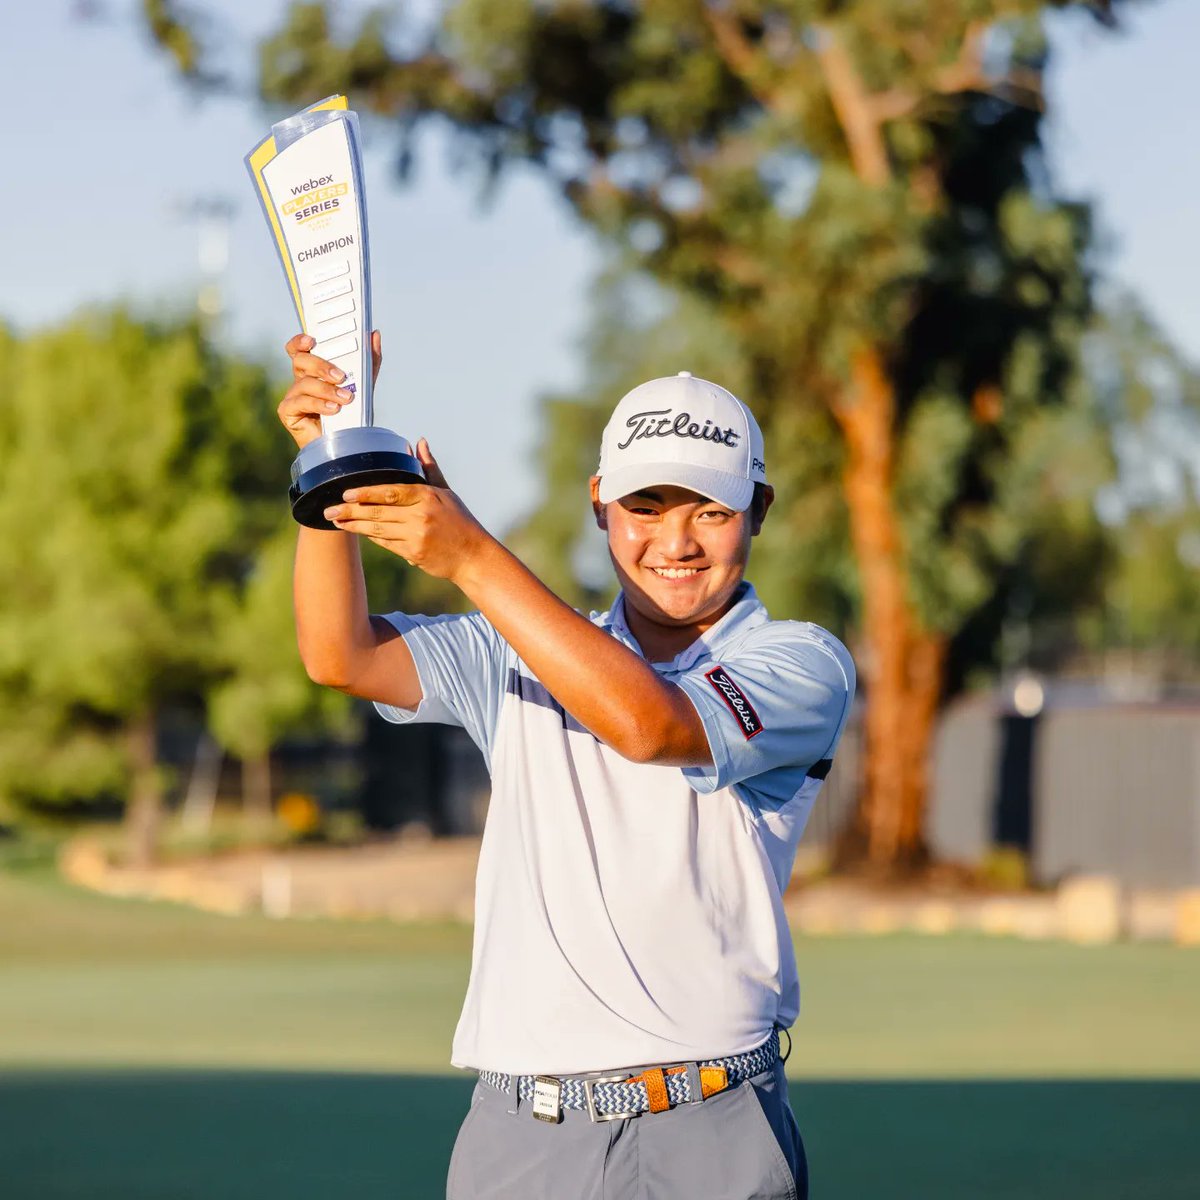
x=309 y=180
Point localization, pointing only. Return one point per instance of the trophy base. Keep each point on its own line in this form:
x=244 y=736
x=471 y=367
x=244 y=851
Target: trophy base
x=343 y=459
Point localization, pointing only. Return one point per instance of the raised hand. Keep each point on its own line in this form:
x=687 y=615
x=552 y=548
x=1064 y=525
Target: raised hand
x=317 y=391
x=425 y=524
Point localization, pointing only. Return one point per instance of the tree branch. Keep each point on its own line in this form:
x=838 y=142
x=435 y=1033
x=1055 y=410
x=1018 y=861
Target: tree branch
x=966 y=73
x=740 y=56
x=855 y=109
x=863 y=114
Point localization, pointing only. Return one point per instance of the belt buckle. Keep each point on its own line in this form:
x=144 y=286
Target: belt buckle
x=589 y=1085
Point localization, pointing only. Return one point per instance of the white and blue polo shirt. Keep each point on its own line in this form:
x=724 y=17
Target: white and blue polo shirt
x=625 y=913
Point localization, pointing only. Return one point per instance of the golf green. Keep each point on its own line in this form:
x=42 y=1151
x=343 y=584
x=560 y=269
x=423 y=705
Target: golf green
x=150 y=1051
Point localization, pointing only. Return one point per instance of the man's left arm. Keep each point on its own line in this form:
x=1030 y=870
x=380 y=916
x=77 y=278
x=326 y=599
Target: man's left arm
x=780 y=698
x=608 y=688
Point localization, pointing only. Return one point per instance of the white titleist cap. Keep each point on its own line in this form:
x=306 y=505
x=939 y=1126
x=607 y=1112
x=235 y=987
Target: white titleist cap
x=683 y=431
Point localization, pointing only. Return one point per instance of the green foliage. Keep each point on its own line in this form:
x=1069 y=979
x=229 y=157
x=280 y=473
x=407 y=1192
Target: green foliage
x=1155 y=594
x=138 y=472
x=53 y=753
x=1152 y=399
x=104 y=441
x=183 y=31
x=118 y=511
x=146 y=560
x=810 y=178
x=266 y=692
x=799 y=181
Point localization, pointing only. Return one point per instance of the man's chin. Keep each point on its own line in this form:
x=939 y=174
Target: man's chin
x=672 y=610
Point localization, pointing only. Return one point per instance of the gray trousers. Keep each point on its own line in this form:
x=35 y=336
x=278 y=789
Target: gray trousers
x=742 y=1144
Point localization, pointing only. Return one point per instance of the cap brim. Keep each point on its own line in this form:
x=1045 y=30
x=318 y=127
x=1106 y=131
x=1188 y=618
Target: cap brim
x=733 y=491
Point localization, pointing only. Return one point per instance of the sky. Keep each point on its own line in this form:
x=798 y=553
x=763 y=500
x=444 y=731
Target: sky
x=482 y=306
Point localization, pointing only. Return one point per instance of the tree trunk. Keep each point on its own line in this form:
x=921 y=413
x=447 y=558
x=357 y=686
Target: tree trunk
x=201 y=799
x=143 y=812
x=256 y=789
x=902 y=667
x=926 y=663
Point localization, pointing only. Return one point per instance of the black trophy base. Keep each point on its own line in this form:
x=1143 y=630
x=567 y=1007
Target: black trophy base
x=321 y=485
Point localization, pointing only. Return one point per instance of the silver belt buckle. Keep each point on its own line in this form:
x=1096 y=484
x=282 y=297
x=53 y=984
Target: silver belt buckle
x=589 y=1085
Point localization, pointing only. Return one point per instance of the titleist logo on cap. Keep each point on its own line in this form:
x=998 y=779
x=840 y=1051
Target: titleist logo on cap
x=658 y=423
x=736 y=700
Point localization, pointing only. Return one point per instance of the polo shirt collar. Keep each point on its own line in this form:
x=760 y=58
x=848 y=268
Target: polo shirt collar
x=746 y=612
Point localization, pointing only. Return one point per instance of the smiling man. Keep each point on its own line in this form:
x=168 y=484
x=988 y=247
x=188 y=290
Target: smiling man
x=652 y=769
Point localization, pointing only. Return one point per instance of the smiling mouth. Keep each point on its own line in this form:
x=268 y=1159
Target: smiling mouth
x=676 y=572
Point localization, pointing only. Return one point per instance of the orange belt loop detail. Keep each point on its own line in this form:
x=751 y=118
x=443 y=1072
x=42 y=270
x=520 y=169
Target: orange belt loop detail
x=656 y=1090
x=713 y=1080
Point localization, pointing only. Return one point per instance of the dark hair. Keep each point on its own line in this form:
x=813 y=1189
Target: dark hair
x=758 y=503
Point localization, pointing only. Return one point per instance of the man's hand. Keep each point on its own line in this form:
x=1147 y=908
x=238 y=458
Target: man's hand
x=317 y=390
x=425 y=524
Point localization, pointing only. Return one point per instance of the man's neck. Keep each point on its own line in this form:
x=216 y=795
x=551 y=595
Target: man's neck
x=662 y=643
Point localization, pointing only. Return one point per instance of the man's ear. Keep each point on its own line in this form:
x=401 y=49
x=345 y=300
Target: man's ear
x=599 y=510
x=764 y=497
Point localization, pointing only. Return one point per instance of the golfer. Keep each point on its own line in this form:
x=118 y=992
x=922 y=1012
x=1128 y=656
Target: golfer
x=652 y=770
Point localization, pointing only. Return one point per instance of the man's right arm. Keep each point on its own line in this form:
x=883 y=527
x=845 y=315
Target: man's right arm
x=341 y=645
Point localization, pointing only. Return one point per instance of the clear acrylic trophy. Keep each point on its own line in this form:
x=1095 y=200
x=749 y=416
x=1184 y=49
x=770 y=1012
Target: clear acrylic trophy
x=309 y=180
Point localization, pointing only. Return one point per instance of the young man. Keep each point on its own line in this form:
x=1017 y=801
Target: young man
x=652 y=771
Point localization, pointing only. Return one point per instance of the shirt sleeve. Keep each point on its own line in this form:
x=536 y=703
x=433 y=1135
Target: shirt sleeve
x=771 y=703
x=460 y=661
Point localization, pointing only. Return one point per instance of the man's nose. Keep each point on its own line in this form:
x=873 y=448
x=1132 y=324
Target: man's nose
x=677 y=540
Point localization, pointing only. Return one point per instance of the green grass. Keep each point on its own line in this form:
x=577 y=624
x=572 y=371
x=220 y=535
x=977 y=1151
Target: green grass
x=88 y=980
x=97 y=981
x=150 y=1051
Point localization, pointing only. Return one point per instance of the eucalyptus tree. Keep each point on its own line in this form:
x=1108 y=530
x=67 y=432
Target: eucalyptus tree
x=857 y=192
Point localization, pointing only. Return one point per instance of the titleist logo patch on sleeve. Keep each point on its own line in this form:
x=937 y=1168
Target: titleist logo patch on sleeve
x=736 y=701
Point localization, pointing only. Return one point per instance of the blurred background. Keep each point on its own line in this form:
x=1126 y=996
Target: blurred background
x=945 y=253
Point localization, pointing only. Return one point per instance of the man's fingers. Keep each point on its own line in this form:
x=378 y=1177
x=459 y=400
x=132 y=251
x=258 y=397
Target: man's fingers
x=319 y=390
x=390 y=534
x=403 y=494
x=377 y=531
x=376 y=354
x=312 y=397
x=305 y=364
x=433 y=473
x=383 y=514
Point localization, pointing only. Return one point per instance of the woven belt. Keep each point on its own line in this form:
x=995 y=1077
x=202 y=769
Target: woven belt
x=615 y=1097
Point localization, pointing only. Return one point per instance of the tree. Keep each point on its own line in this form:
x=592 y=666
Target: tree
x=855 y=190
x=1151 y=396
x=265 y=692
x=123 y=446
